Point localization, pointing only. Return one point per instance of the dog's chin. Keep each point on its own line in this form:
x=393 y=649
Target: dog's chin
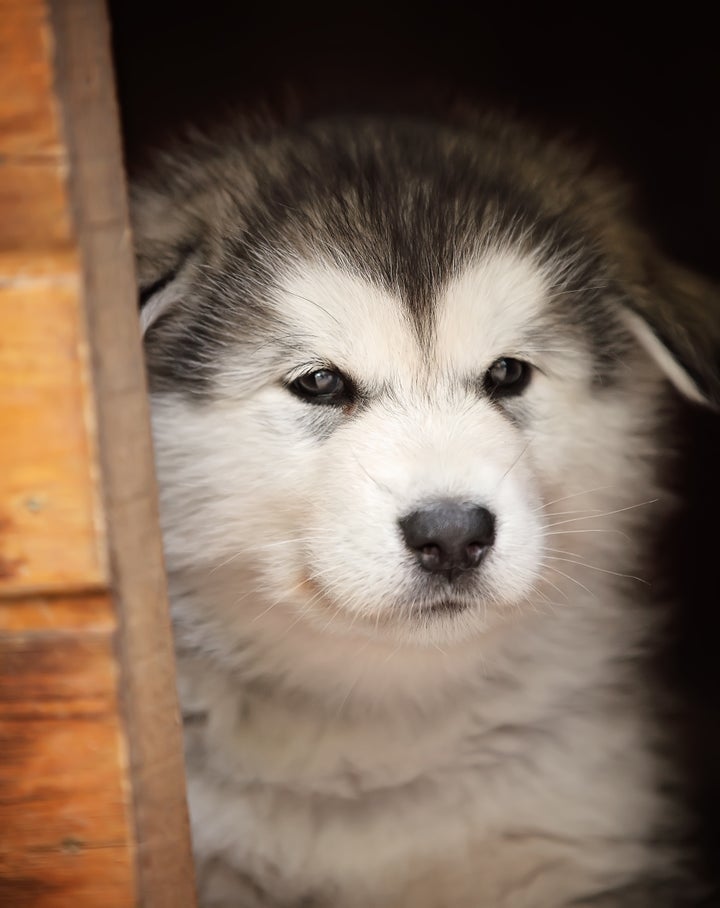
x=446 y=608
x=439 y=615
x=421 y=621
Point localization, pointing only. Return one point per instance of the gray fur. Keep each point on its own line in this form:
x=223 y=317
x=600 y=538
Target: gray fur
x=510 y=757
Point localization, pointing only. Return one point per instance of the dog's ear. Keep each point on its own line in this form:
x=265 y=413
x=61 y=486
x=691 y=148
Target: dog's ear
x=165 y=236
x=160 y=295
x=676 y=317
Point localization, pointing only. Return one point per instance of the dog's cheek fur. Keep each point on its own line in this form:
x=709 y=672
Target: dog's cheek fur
x=220 y=493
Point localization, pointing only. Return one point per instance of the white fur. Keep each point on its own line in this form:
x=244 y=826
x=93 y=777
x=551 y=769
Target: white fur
x=160 y=303
x=669 y=365
x=353 y=750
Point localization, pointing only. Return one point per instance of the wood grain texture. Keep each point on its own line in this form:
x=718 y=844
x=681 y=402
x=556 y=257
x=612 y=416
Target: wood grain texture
x=33 y=199
x=51 y=534
x=65 y=835
x=88 y=612
x=86 y=89
x=51 y=525
x=92 y=801
x=28 y=120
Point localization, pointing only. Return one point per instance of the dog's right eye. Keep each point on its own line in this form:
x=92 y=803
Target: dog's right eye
x=507 y=377
x=322 y=387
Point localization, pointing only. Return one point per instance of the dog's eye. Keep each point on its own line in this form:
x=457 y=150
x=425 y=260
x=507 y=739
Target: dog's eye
x=322 y=387
x=507 y=377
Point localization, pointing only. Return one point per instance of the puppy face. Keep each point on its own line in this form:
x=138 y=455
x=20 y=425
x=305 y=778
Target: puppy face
x=408 y=409
x=359 y=470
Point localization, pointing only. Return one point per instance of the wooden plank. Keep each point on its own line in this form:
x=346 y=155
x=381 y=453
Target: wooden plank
x=33 y=203
x=33 y=199
x=65 y=829
x=66 y=834
x=56 y=614
x=51 y=526
x=51 y=532
x=85 y=86
x=28 y=116
x=92 y=806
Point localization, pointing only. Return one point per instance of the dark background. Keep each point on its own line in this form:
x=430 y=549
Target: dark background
x=645 y=90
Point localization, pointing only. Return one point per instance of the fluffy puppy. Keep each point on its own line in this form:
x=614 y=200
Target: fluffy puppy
x=412 y=384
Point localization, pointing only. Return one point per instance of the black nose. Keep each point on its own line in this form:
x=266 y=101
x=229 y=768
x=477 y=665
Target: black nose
x=449 y=536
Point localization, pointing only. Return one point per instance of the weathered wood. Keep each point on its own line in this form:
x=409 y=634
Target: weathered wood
x=50 y=518
x=92 y=806
x=65 y=838
x=33 y=198
x=86 y=86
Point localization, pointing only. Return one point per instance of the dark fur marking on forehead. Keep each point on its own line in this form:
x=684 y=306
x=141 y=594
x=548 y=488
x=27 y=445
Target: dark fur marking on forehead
x=402 y=204
x=404 y=211
x=398 y=208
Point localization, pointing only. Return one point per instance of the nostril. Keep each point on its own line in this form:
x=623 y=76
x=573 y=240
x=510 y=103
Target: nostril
x=449 y=536
x=431 y=557
x=474 y=552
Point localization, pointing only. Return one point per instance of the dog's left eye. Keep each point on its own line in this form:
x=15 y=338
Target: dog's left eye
x=322 y=387
x=507 y=376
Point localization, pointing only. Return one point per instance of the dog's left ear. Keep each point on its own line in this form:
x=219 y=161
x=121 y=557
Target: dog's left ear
x=676 y=316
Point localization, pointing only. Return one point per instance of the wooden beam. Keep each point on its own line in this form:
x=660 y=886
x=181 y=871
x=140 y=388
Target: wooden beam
x=92 y=796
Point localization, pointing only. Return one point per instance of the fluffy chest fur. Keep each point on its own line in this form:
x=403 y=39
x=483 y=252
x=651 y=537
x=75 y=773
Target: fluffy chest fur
x=472 y=802
x=410 y=397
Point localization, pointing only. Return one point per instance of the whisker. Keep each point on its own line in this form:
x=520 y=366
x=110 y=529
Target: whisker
x=512 y=466
x=591 y=512
x=547 y=504
x=377 y=482
x=277 y=602
x=594 y=530
x=559 y=591
x=605 y=514
x=305 y=299
x=563 y=552
x=594 y=567
x=262 y=549
x=571 y=579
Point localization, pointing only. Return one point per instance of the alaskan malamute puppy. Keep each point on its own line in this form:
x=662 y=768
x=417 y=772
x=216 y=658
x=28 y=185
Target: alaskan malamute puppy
x=411 y=388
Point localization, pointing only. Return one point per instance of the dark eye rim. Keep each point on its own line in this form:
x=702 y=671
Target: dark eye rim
x=513 y=388
x=344 y=394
